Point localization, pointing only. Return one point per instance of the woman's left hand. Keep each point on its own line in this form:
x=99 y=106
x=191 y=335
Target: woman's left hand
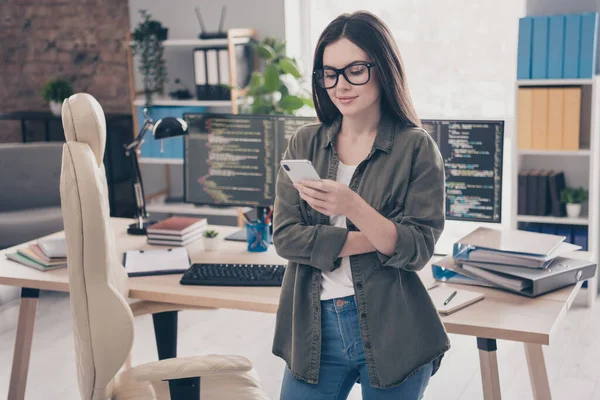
x=328 y=197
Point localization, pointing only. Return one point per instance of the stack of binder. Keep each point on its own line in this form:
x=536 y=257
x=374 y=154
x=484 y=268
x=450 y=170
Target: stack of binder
x=44 y=255
x=522 y=262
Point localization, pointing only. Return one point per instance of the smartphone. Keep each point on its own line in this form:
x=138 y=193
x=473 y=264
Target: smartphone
x=299 y=170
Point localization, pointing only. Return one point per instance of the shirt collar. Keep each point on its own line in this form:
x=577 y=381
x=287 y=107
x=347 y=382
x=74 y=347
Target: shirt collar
x=383 y=140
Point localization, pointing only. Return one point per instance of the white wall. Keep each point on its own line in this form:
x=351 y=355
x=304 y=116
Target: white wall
x=460 y=58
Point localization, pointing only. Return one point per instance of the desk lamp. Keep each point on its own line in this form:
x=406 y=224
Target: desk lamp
x=162 y=129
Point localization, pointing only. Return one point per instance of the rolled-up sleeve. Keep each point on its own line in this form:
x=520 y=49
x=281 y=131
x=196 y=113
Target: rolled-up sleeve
x=420 y=221
x=296 y=240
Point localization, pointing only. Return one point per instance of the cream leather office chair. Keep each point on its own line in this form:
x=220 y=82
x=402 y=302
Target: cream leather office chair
x=103 y=320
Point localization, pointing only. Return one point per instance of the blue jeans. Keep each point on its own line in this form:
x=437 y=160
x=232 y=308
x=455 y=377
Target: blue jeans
x=343 y=362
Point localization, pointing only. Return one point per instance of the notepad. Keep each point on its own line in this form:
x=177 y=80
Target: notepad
x=156 y=262
x=462 y=299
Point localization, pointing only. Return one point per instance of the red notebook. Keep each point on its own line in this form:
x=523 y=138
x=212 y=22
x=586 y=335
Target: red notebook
x=177 y=225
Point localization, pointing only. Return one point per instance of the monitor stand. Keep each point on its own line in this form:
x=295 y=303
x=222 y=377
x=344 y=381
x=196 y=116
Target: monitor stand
x=240 y=235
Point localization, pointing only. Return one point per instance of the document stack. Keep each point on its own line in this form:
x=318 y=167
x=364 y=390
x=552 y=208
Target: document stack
x=176 y=231
x=523 y=262
x=44 y=255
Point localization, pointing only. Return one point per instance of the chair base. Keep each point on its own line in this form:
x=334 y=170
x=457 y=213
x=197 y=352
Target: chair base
x=185 y=389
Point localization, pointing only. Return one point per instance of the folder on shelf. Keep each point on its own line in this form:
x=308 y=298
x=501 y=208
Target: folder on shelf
x=539 y=126
x=539 y=54
x=524 y=48
x=571 y=54
x=212 y=74
x=522 y=193
x=571 y=118
x=200 y=74
x=524 y=118
x=555 y=118
x=543 y=194
x=556 y=183
x=223 y=59
x=587 y=45
x=556 y=43
x=532 y=192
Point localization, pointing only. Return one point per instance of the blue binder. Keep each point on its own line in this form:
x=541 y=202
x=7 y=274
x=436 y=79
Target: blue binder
x=587 y=45
x=572 y=37
x=539 y=54
x=524 y=48
x=580 y=237
x=556 y=46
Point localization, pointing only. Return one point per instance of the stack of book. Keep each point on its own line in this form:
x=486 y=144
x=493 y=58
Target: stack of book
x=176 y=231
x=44 y=255
x=526 y=263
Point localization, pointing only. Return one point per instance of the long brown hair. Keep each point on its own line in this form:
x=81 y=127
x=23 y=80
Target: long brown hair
x=371 y=34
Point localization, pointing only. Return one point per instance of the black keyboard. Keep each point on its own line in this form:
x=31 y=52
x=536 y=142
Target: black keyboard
x=233 y=275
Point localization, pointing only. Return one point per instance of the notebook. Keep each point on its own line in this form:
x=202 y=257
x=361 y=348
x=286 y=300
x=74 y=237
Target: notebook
x=462 y=299
x=156 y=262
x=53 y=248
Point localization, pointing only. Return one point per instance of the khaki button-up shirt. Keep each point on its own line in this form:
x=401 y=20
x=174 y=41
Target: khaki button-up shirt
x=403 y=179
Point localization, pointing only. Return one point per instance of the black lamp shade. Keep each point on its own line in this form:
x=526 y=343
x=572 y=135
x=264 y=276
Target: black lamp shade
x=169 y=127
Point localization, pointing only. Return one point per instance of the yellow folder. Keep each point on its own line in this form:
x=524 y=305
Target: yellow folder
x=524 y=118
x=539 y=126
x=571 y=119
x=555 y=118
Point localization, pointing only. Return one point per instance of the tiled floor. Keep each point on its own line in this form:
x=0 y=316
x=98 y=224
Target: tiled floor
x=573 y=358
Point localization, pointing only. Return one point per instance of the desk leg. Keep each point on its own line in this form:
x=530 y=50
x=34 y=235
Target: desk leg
x=537 y=371
x=489 y=368
x=165 y=331
x=20 y=366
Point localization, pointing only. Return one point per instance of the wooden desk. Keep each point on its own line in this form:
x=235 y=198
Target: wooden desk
x=501 y=315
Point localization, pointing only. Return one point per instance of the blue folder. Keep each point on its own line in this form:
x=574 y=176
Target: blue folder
x=587 y=45
x=539 y=54
x=572 y=37
x=556 y=46
x=524 y=48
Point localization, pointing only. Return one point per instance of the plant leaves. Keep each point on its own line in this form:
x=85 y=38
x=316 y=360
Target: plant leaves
x=308 y=101
x=265 y=51
x=288 y=66
x=291 y=103
x=271 y=79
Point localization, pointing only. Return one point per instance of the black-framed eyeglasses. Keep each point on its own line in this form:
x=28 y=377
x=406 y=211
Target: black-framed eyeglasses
x=357 y=74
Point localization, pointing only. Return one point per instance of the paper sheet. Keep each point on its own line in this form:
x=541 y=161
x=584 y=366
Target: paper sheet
x=159 y=261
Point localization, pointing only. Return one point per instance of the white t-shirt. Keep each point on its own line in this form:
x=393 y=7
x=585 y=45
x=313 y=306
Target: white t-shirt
x=338 y=283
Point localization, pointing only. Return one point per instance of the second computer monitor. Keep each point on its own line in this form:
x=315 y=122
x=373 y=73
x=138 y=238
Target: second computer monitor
x=232 y=160
x=472 y=152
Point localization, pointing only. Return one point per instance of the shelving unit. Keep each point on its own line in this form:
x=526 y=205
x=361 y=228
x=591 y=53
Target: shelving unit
x=581 y=167
x=173 y=107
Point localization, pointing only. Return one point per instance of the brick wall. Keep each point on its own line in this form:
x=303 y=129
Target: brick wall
x=82 y=41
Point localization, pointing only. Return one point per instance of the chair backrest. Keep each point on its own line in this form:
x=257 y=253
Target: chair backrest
x=103 y=322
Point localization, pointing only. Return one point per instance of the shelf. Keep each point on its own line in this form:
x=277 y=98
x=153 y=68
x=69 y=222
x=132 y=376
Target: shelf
x=158 y=160
x=554 y=82
x=204 y=42
x=141 y=102
x=582 y=152
x=191 y=209
x=553 y=220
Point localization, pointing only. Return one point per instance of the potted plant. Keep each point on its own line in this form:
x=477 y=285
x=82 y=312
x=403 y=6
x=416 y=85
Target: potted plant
x=147 y=44
x=54 y=92
x=573 y=197
x=277 y=90
x=211 y=242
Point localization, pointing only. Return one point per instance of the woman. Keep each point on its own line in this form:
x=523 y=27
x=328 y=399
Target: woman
x=352 y=307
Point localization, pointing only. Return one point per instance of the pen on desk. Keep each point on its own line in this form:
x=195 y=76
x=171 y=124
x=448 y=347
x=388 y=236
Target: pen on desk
x=450 y=298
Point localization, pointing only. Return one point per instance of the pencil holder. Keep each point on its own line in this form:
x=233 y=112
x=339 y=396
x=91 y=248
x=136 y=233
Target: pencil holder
x=258 y=235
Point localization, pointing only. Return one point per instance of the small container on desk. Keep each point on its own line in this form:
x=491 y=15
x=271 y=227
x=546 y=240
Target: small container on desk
x=258 y=236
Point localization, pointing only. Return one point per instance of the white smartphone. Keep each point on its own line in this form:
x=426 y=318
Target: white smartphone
x=299 y=170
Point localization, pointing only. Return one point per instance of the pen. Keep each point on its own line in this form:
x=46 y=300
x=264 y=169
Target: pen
x=450 y=297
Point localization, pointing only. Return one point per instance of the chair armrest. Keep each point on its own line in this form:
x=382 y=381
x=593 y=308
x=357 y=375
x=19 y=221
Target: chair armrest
x=190 y=367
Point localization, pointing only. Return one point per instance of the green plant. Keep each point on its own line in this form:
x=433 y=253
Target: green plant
x=210 y=233
x=147 y=44
x=277 y=90
x=57 y=90
x=571 y=195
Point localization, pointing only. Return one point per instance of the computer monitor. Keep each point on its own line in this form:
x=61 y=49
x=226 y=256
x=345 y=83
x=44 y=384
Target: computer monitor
x=472 y=152
x=232 y=160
